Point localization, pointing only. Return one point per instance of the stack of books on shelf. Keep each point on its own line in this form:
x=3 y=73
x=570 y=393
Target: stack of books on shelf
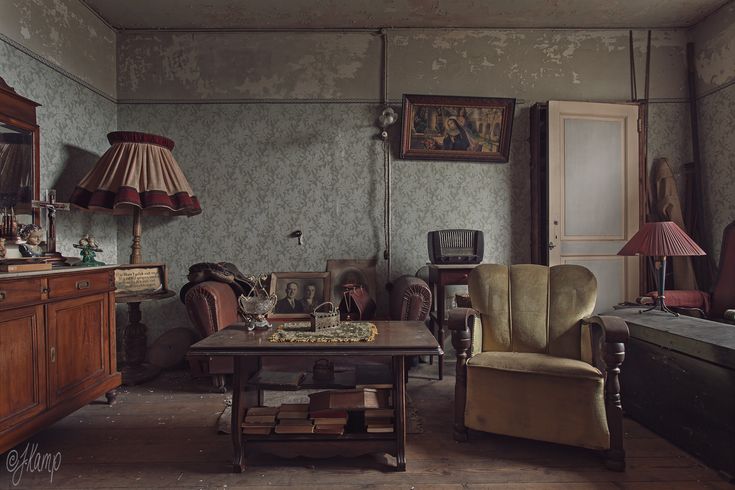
x=293 y=418
x=259 y=420
x=329 y=421
x=379 y=420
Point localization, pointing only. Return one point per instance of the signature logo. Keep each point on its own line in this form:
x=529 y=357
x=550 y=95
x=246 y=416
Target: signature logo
x=32 y=461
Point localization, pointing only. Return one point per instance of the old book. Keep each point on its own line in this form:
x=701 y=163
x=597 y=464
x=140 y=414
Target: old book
x=293 y=411
x=42 y=266
x=378 y=421
x=262 y=410
x=295 y=422
x=345 y=400
x=261 y=419
x=294 y=429
x=379 y=428
x=336 y=429
x=277 y=380
x=379 y=412
x=257 y=429
x=330 y=420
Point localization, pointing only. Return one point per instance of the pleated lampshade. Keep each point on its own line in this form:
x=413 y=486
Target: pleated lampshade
x=138 y=171
x=663 y=238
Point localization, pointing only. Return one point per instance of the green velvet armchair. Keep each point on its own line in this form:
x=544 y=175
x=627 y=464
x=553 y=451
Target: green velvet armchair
x=532 y=363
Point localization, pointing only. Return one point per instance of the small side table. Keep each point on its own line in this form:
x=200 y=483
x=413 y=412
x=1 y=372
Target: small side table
x=439 y=277
x=135 y=340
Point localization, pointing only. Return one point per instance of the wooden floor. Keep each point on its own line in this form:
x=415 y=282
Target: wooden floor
x=162 y=435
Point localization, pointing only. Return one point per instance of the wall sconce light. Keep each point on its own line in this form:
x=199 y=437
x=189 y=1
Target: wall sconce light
x=386 y=118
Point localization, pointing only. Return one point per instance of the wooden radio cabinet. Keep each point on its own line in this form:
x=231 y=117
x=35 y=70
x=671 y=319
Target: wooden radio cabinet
x=57 y=347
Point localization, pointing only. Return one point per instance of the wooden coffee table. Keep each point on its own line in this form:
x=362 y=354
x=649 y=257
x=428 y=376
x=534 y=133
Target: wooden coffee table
x=395 y=340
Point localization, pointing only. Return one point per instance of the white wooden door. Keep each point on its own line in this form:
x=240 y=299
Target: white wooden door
x=594 y=193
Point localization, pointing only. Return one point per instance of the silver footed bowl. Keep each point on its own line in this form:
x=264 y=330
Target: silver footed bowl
x=257 y=305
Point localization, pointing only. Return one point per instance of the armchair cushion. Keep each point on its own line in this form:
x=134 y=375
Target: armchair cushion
x=537 y=396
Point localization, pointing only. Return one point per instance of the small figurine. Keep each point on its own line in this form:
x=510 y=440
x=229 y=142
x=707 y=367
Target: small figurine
x=33 y=236
x=2 y=248
x=88 y=248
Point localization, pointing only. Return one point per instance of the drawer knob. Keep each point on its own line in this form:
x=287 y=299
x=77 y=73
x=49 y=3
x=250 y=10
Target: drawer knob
x=2 y=295
x=83 y=284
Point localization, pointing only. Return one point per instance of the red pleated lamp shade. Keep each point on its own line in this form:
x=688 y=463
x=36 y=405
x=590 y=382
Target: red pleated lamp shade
x=661 y=238
x=140 y=171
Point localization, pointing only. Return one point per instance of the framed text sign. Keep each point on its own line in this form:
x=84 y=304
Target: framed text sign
x=140 y=279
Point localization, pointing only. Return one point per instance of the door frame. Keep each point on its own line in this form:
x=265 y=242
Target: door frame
x=539 y=170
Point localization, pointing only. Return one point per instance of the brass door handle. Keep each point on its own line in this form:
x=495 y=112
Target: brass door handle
x=83 y=284
x=53 y=354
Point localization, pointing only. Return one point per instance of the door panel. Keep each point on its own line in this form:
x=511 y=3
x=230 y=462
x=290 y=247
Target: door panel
x=77 y=340
x=22 y=365
x=594 y=193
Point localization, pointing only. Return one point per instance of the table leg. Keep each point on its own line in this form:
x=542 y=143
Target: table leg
x=399 y=402
x=242 y=399
x=238 y=413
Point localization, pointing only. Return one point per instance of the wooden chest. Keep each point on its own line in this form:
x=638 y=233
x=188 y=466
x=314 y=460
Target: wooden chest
x=678 y=379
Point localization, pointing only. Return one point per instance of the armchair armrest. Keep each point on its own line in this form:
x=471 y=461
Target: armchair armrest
x=461 y=323
x=605 y=344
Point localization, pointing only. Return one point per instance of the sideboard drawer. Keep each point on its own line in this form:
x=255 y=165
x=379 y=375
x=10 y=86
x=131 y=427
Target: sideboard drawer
x=21 y=291
x=79 y=284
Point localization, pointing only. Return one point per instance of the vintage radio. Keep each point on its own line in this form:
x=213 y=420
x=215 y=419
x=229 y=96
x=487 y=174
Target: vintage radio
x=456 y=246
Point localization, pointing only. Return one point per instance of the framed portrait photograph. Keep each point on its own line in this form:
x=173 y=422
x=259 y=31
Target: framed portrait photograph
x=474 y=129
x=298 y=293
x=349 y=271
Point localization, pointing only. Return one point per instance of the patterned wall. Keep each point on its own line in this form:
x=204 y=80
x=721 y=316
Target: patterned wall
x=716 y=125
x=262 y=171
x=74 y=121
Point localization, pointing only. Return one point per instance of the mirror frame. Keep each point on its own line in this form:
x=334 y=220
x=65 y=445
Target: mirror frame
x=20 y=113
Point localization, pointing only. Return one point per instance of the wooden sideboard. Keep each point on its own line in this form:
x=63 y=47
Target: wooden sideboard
x=57 y=347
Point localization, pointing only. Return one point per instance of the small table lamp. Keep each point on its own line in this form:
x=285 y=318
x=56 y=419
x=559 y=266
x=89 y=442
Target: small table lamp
x=137 y=175
x=661 y=239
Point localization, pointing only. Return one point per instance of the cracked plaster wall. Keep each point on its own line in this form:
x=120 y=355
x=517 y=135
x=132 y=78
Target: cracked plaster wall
x=65 y=33
x=714 y=41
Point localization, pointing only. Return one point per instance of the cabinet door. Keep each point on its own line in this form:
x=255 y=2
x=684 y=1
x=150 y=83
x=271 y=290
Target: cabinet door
x=22 y=365
x=77 y=345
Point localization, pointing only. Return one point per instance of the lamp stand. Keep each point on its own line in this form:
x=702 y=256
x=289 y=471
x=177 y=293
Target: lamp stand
x=660 y=304
x=135 y=338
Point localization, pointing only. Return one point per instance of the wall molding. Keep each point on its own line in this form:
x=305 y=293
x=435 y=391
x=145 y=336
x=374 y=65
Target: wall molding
x=55 y=67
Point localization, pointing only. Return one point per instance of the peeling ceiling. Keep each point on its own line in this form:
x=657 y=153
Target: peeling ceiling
x=373 y=14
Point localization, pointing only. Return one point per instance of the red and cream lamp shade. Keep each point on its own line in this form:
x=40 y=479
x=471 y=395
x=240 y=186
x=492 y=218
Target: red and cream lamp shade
x=138 y=171
x=137 y=175
x=660 y=240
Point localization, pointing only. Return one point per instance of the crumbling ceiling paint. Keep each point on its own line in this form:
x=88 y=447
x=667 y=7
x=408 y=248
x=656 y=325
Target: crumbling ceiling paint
x=372 y=14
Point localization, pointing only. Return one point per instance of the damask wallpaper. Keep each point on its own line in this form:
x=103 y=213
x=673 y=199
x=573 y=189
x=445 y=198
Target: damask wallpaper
x=73 y=121
x=716 y=124
x=262 y=171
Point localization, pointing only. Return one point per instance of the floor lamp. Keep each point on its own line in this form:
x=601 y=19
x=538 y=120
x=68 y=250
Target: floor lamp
x=137 y=175
x=660 y=240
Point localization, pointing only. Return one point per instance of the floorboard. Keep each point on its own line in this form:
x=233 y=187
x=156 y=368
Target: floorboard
x=162 y=435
